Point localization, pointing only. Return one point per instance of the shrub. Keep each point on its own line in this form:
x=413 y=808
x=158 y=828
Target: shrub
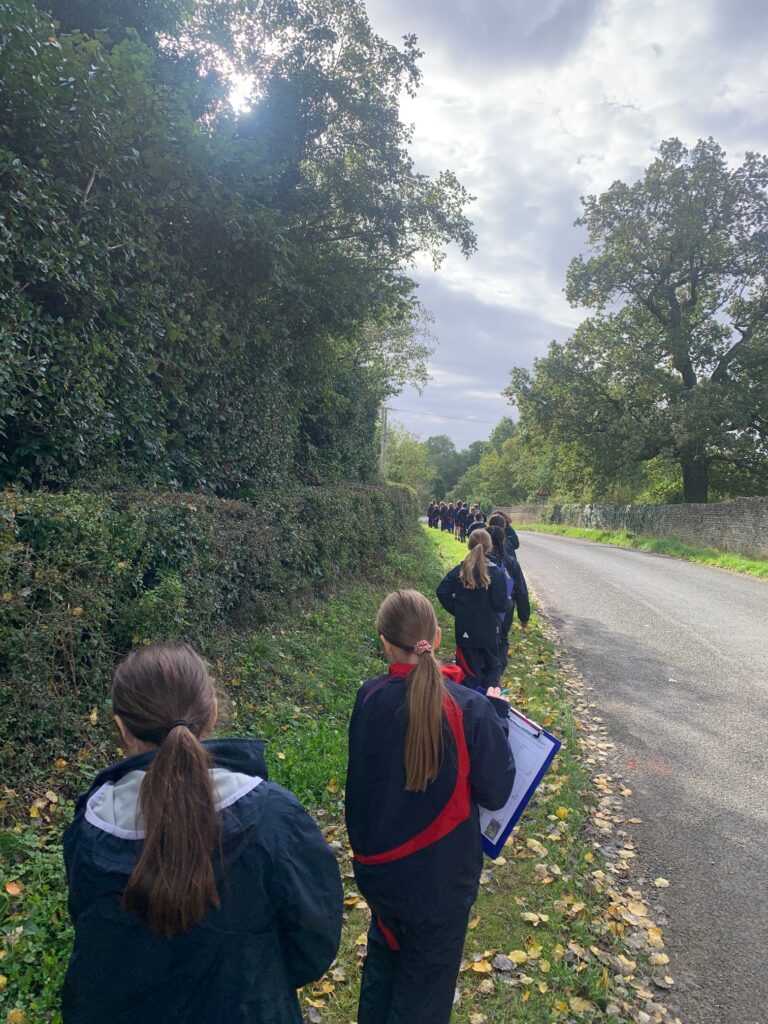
x=85 y=577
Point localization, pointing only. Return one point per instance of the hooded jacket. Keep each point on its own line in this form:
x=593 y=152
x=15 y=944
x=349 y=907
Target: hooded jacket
x=520 y=599
x=278 y=926
x=418 y=856
x=476 y=611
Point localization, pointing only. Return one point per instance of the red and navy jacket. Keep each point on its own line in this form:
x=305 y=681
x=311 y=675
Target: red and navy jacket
x=419 y=855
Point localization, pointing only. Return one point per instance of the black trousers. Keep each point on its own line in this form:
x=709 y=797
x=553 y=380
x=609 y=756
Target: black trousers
x=410 y=972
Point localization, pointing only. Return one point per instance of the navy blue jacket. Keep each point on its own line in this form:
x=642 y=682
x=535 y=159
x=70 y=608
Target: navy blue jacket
x=418 y=856
x=520 y=599
x=476 y=611
x=512 y=539
x=278 y=926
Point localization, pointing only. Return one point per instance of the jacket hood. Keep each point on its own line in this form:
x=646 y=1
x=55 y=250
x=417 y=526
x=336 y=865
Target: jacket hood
x=112 y=802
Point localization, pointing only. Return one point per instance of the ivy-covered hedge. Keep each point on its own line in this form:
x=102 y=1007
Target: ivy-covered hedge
x=84 y=577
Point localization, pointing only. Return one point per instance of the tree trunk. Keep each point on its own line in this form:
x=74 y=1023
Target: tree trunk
x=695 y=478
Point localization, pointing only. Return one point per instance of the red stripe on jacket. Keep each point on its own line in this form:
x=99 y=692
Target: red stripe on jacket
x=456 y=809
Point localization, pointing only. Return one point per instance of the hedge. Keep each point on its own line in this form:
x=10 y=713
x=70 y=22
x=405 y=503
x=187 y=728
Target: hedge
x=84 y=577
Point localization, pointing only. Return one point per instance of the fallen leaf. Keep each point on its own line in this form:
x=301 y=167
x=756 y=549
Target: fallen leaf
x=486 y=987
x=477 y=1018
x=543 y=987
x=481 y=967
x=333 y=786
x=362 y=939
x=655 y=938
x=661 y=883
x=562 y=812
x=579 y=1005
x=77 y=612
x=94 y=716
x=13 y=888
x=518 y=956
x=638 y=909
x=474 y=923
x=280 y=755
x=537 y=847
x=659 y=959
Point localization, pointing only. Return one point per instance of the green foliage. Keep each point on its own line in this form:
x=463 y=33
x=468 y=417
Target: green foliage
x=85 y=577
x=407 y=462
x=194 y=299
x=673 y=363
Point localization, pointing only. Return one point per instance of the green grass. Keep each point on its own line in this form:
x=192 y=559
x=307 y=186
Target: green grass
x=660 y=546
x=295 y=684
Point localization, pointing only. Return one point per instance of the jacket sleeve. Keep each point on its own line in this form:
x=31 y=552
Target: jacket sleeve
x=492 y=766
x=520 y=595
x=498 y=591
x=309 y=897
x=512 y=538
x=446 y=592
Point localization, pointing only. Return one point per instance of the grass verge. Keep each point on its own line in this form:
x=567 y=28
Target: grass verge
x=558 y=933
x=660 y=546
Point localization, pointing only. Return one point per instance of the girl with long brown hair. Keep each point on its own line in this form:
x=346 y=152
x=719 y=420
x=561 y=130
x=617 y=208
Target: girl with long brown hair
x=199 y=891
x=475 y=593
x=424 y=751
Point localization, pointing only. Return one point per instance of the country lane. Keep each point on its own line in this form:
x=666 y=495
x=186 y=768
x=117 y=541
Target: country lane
x=677 y=655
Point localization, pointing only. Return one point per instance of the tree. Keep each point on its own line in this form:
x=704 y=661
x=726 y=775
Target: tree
x=407 y=462
x=673 y=362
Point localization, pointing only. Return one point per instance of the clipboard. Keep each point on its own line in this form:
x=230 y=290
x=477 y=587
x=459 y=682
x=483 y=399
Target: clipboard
x=534 y=750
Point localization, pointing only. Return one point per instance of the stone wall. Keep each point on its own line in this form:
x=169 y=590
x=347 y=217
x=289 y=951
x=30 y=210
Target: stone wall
x=740 y=526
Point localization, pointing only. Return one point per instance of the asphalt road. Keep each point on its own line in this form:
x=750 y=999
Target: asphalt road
x=677 y=654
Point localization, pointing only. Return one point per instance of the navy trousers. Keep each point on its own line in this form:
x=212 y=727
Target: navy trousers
x=482 y=665
x=410 y=972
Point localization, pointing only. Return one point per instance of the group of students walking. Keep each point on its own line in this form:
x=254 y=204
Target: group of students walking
x=203 y=893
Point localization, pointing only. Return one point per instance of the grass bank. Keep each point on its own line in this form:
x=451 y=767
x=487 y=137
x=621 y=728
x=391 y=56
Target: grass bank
x=660 y=546
x=559 y=933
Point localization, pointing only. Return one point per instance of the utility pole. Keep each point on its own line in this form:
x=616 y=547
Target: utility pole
x=383 y=451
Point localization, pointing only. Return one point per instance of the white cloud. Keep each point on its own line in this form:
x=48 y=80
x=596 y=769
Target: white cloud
x=536 y=105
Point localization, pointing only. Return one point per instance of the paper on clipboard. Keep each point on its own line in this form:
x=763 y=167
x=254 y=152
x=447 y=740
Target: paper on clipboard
x=533 y=749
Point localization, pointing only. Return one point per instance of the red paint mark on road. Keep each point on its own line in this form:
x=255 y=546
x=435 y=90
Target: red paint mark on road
x=657 y=767
x=631 y=763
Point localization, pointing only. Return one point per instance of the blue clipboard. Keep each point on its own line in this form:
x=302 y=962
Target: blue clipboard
x=534 y=750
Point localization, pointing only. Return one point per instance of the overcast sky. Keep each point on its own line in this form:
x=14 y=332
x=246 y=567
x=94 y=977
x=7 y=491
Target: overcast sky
x=534 y=103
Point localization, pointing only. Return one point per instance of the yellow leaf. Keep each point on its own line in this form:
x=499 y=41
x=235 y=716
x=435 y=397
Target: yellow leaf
x=94 y=716
x=546 y=722
x=474 y=923
x=500 y=861
x=536 y=846
x=560 y=1006
x=7 y=596
x=60 y=763
x=317 y=1003
x=543 y=987
x=77 y=612
x=34 y=811
x=589 y=857
x=577 y=909
x=16 y=1016
x=362 y=939
x=525 y=996
x=558 y=952
x=51 y=796
x=655 y=938
x=562 y=812
x=477 y=1018
x=280 y=755
x=518 y=956
x=659 y=959
x=323 y=988
x=333 y=786
x=3 y=983
x=13 y=888
x=630 y=965
x=534 y=950
x=661 y=883
x=481 y=967
x=579 y=1005
x=531 y=918
x=545 y=966
x=638 y=909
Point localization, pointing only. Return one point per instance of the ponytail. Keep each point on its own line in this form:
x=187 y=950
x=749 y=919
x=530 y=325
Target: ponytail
x=424 y=738
x=407 y=620
x=474 y=570
x=165 y=697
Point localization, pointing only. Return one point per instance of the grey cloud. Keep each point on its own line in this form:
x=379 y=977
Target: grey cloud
x=509 y=32
x=479 y=344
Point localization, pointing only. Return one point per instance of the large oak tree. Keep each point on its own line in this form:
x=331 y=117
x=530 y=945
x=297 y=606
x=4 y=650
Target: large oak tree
x=673 y=360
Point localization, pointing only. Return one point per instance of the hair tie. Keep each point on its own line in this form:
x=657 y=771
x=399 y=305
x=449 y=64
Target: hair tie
x=422 y=647
x=179 y=721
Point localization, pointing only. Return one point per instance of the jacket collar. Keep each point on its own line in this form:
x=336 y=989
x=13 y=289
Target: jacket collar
x=239 y=755
x=403 y=669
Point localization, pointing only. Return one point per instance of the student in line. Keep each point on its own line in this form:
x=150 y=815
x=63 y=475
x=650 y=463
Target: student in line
x=475 y=593
x=502 y=555
x=500 y=518
x=424 y=752
x=200 y=892
x=478 y=523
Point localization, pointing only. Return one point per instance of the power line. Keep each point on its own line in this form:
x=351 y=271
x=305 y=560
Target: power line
x=447 y=419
